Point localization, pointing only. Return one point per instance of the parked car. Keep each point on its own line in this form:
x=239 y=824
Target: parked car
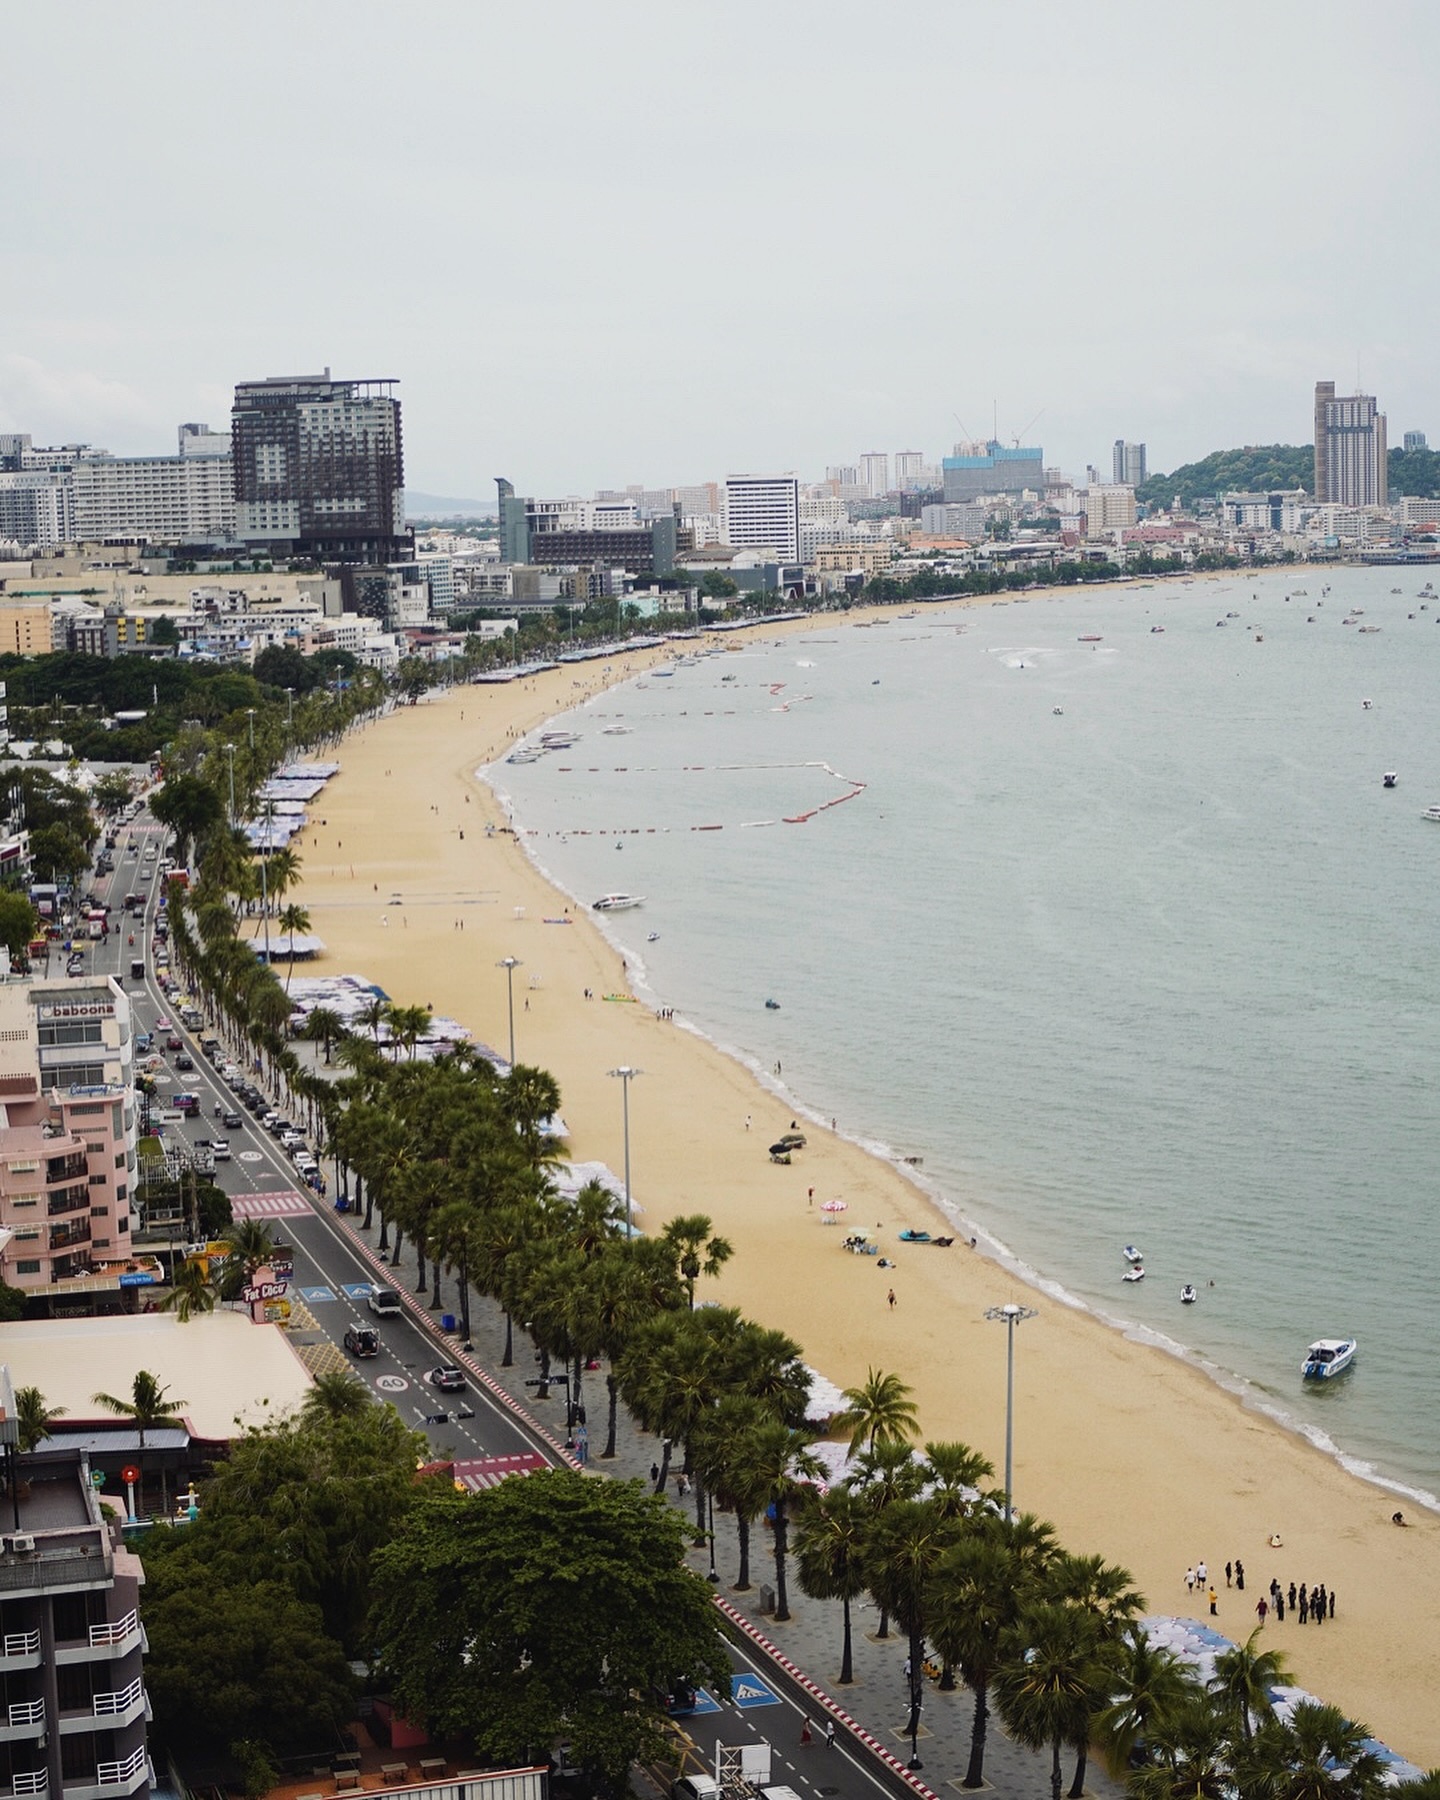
x=232 y=1121
x=447 y=1377
x=362 y=1340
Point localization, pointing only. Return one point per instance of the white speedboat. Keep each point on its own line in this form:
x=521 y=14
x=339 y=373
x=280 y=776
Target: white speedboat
x=1390 y=778
x=617 y=902
x=1327 y=1357
x=1132 y=1255
x=1135 y=1272
x=1187 y=1295
x=1432 y=813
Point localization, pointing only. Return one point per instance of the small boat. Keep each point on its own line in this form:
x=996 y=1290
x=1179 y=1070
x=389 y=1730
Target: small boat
x=1390 y=777
x=1187 y=1295
x=1090 y=637
x=1134 y=1273
x=914 y=1237
x=1367 y=628
x=772 y=1006
x=1059 y=711
x=1132 y=1255
x=1432 y=813
x=1156 y=629
x=617 y=902
x=1327 y=1357
x=1367 y=704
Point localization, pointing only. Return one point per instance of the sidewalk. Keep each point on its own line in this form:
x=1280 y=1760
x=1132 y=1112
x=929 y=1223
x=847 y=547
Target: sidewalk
x=877 y=1700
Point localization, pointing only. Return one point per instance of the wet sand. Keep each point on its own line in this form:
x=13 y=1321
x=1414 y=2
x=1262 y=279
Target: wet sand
x=1132 y=1453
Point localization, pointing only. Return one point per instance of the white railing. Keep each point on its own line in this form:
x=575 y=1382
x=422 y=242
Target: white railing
x=113 y=1774
x=27 y=1712
x=35 y=1782
x=20 y=1643
x=116 y=1631
x=120 y=1701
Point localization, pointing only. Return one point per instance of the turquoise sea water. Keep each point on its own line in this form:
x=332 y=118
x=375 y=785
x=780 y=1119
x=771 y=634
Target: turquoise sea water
x=1159 y=966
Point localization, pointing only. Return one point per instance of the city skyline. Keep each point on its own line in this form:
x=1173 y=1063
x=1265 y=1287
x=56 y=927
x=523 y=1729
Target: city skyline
x=811 y=288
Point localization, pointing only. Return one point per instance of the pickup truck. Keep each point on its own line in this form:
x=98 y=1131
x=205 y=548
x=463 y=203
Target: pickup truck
x=362 y=1340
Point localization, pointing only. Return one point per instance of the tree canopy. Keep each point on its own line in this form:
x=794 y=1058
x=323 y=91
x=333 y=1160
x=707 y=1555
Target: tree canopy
x=1258 y=468
x=553 y=1605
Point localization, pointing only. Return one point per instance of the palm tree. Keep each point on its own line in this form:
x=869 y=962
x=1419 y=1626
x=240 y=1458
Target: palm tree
x=1244 y=1676
x=1152 y=1687
x=337 y=1394
x=294 y=920
x=190 y=1292
x=33 y=1417
x=884 y=1475
x=1103 y=1590
x=880 y=1410
x=955 y=1472
x=249 y=1242
x=147 y=1407
x=1044 y=1687
x=1317 y=1754
x=903 y=1548
x=717 y=1450
x=776 y=1466
x=830 y=1533
x=324 y=1026
x=1189 y=1748
x=408 y=1024
x=977 y=1591
x=697 y=1253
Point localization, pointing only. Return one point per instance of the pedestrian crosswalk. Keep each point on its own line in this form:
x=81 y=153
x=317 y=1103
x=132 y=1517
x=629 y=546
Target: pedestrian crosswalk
x=284 y=1204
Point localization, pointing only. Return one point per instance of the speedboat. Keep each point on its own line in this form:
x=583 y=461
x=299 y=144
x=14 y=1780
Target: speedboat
x=617 y=902
x=1327 y=1357
x=1432 y=813
x=1187 y=1295
x=1132 y=1255
x=772 y=1006
x=1390 y=777
x=1134 y=1273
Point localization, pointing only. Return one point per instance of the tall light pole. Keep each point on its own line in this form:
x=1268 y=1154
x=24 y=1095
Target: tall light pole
x=230 y=752
x=250 y=713
x=289 y=717
x=1012 y=1315
x=625 y=1075
x=510 y=964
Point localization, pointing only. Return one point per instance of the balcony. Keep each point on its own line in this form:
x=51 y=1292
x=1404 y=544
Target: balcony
x=81 y=1562
x=22 y=1719
x=19 y=1650
x=109 y=1711
x=63 y=1236
x=113 y=1778
x=31 y=1781
x=68 y=1200
x=107 y=1642
x=65 y=1168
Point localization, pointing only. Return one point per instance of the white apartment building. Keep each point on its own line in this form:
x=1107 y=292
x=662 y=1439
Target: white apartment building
x=1109 y=506
x=909 y=469
x=875 y=473
x=955 y=519
x=181 y=499
x=762 y=512
x=37 y=507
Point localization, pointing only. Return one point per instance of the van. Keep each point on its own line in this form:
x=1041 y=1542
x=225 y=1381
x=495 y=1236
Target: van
x=385 y=1302
x=137 y=970
x=698 y=1786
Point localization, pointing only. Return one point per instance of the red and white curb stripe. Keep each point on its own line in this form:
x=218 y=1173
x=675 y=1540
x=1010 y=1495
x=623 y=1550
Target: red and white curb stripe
x=823 y=1701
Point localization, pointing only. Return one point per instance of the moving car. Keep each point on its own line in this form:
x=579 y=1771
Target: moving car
x=173 y=1042
x=220 y=1150
x=447 y=1377
x=182 y=1061
x=232 y=1121
x=362 y=1340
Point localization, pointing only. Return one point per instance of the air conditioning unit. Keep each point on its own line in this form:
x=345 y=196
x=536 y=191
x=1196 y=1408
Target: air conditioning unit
x=21 y=1544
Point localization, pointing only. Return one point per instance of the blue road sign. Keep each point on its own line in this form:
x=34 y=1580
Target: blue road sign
x=318 y=1296
x=752 y=1690
x=705 y=1703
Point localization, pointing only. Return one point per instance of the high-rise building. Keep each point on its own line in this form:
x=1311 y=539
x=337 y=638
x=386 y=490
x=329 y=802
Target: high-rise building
x=184 y=499
x=1351 y=467
x=762 y=512
x=875 y=473
x=909 y=469
x=990 y=468
x=319 y=471
x=37 y=507
x=1415 y=440
x=1109 y=506
x=1128 y=463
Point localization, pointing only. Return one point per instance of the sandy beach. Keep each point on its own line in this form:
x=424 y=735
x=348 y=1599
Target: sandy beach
x=1130 y=1452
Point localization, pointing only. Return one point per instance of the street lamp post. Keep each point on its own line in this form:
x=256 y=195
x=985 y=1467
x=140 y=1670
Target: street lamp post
x=1012 y=1315
x=625 y=1075
x=710 y=1502
x=510 y=964
x=289 y=716
x=250 y=714
x=230 y=752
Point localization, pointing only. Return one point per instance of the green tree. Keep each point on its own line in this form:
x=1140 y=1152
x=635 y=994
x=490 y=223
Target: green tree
x=113 y=792
x=1316 y=1754
x=190 y=1293
x=146 y=1408
x=59 y=852
x=324 y=1026
x=33 y=1417
x=880 y=1410
x=830 y=1540
x=554 y=1606
x=191 y=808
x=1043 y=1688
x=1244 y=1676
x=697 y=1251
x=1152 y=1686
x=775 y=1468
x=164 y=631
x=18 y=922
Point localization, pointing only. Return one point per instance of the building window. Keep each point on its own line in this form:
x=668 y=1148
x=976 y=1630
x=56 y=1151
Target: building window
x=27 y=1267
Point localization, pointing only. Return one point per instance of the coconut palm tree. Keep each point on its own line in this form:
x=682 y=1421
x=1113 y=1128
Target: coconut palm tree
x=1244 y=1676
x=294 y=921
x=33 y=1417
x=1152 y=1686
x=408 y=1024
x=147 y=1407
x=250 y=1243
x=1189 y=1749
x=1044 y=1687
x=955 y=1472
x=1104 y=1591
x=1316 y=1754
x=775 y=1467
x=697 y=1252
x=337 y=1394
x=324 y=1026
x=830 y=1539
x=190 y=1292
x=879 y=1410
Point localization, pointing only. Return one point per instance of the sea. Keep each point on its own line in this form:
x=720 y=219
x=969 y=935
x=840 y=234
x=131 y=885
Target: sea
x=1092 y=911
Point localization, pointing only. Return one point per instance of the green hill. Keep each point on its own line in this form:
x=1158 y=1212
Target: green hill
x=1267 y=468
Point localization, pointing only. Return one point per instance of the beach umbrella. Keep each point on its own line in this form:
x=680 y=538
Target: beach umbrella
x=833 y=1205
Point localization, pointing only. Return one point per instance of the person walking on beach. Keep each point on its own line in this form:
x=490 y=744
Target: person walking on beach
x=1291 y=1596
x=1212 y=1603
x=1261 y=1609
x=1330 y=1603
x=1202 y=1574
x=1190 y=1581
x=1239 y=1575
x=891 y=1297
x=1229 y=1569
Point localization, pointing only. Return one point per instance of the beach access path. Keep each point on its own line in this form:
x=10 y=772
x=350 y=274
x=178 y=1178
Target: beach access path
x=1133 y=1454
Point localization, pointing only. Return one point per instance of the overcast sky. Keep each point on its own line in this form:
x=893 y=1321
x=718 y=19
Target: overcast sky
x=660 y=242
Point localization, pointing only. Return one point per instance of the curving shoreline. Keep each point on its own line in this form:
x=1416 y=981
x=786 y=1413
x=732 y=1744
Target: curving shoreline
x=1144 y=1458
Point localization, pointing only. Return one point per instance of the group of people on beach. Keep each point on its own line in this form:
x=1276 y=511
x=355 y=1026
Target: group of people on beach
x=1312 y=1604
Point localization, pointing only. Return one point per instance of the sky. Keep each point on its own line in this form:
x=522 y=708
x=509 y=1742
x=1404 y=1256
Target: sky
x=660 y=241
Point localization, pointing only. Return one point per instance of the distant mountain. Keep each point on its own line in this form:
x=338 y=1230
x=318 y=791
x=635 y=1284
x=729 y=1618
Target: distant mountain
x=1258 y=468
x=441 y=506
